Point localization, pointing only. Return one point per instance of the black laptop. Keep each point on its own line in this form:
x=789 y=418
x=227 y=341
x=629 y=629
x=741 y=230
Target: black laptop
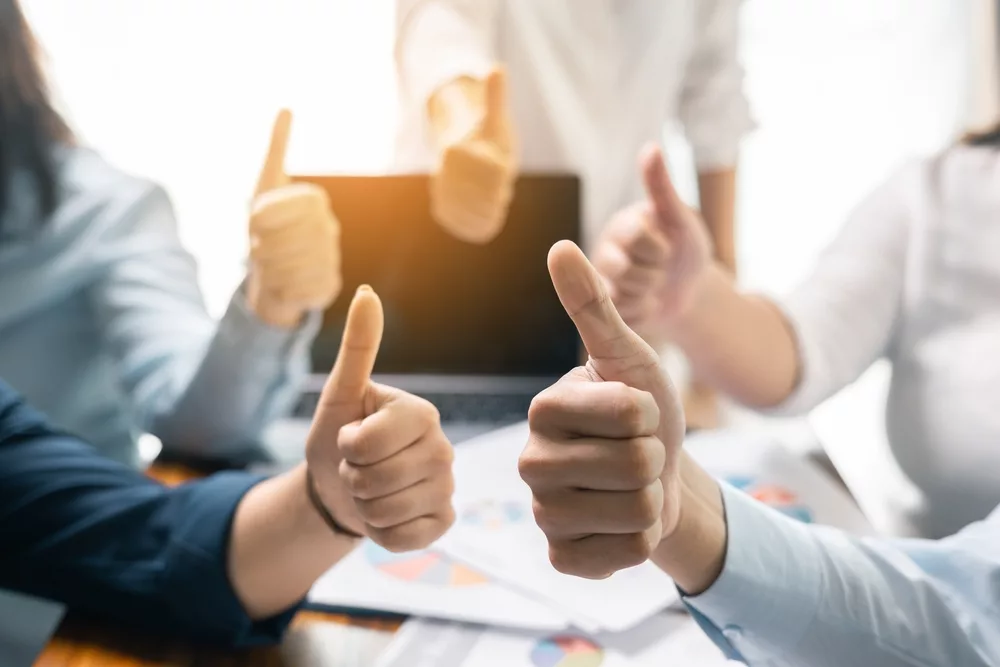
x=476 y=329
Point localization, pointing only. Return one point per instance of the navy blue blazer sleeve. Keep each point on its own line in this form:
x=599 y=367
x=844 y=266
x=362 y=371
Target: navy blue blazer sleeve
x=100 y=537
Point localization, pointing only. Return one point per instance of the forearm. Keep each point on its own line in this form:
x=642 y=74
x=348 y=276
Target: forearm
x=740 y=344
x=695 y=552
x=717 y=195
x=280 y=545
x=830 y=599
x=248 y=375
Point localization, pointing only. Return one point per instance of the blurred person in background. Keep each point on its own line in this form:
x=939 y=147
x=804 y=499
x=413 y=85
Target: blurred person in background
x=102 y=324
x=913 y=277
x=490 y=87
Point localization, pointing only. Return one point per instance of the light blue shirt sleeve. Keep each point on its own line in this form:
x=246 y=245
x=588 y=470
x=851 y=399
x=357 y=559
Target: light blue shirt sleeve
x=794 y=595
x=203 y=387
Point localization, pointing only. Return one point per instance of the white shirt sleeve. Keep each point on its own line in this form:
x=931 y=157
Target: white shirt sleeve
x=438 y=41
x=844 y=314
x=713 y=108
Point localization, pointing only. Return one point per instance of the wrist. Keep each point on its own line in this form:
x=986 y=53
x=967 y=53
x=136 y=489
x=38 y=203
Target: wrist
x=279 y=545
x=305 y=514
x=694 y=551
x=699 y=302
x=271 y=311
x=319 y=505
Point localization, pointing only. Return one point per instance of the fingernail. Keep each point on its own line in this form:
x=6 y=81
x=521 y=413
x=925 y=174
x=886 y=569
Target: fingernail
x=362 y=289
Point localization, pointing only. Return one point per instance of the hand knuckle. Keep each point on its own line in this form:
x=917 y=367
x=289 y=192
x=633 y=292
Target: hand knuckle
x=546 y=517
x=648 y=506
x=445 y=487
x=641 y=466
x=564 y=559
x=634 y=550
x=357 y=482
x=543 y=406
x=354 y=449
x=376 y=513
x=531 y=465
x=626 y=407
x=395 y=541
x=316 y=196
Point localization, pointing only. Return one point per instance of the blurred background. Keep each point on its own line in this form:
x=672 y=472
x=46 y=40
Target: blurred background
x=829 y=80
x=842 y=90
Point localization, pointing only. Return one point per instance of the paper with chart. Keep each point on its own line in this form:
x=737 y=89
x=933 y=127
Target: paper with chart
x=668 y=638
x=760 y=466
x=495 y=532
x=428 y=583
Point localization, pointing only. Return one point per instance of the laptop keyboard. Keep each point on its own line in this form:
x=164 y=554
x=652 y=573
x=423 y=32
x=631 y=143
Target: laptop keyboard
x=490 y=408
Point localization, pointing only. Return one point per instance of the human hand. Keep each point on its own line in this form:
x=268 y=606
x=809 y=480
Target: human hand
x=380 y=461
x=473 y=183
x=655 y=253
x=602 y=457
x=294 y=242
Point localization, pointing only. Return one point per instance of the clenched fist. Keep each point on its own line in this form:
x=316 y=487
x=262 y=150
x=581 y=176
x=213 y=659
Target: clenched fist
x=294 y=242
x=654 y=253
x=473 y=183
x=380 y=461
x=603 y=456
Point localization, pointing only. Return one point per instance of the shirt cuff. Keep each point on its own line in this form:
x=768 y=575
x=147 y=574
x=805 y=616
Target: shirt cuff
x=808 y=393
x=197 y=578
x=770 y=587
x=241 y=328
x=715 y=142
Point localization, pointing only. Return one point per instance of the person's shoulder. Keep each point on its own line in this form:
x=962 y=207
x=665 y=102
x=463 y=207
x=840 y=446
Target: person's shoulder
x=95 y=194
x=86 y=174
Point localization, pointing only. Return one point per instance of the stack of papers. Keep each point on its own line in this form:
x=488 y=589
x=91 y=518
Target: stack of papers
x=489 y=584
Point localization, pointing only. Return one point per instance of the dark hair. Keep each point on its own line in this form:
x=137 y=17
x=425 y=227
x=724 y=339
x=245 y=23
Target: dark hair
x=30 y=126
x=989 y=137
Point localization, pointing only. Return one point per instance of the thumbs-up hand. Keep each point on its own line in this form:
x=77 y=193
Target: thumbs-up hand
x=474 y=179
x=602 y=458
x=654 y=253
x=380 y=461
x=294 y=242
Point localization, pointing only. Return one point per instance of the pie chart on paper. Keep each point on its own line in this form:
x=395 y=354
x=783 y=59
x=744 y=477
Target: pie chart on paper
x=422 y=567
x=567 y=651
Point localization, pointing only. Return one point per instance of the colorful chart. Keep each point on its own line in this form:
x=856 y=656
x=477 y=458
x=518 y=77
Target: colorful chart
x=422 y=567
x=493 y=515
x=774 y=496
x=567 y=651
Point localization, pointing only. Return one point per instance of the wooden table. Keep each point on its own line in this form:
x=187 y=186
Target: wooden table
x=314 y=640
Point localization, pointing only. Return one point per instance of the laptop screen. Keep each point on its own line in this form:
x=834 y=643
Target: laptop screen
x=454 y=308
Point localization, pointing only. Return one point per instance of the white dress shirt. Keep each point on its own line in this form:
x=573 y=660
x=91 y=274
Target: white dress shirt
x=914 y=277
x=590 y=82
x=792 y=595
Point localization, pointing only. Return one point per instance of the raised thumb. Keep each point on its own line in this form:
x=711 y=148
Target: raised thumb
x=495 y=104
x=351 y=375
x=616 y=351
x=666 y=203
x=272 y=174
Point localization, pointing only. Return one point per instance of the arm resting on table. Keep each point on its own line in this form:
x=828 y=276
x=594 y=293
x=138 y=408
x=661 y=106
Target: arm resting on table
x=224 y=560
